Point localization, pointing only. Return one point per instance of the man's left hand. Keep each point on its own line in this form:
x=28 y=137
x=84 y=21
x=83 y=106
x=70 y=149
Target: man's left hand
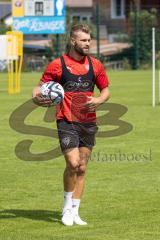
x=93 y=103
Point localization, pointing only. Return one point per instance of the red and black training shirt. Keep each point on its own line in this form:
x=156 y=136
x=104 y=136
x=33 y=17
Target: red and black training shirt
x=78 y=79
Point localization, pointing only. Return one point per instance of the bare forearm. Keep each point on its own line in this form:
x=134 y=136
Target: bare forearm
x=94 y=102
x=104 y=95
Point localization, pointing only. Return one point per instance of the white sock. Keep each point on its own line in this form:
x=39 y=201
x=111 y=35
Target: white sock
x=75 y=206
x=67 y=200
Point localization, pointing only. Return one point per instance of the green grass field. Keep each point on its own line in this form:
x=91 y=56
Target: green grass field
x=122 y=197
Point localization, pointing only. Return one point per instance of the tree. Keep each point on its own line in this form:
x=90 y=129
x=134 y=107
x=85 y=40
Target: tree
x=141 y=33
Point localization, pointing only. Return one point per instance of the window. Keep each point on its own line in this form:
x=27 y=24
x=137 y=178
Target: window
x=118 y=9
x=75 y=19
x=39 y=8
x=85 y=19
x=80 y=17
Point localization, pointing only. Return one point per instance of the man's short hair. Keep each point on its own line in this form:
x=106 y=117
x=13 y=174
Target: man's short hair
x=79 y=27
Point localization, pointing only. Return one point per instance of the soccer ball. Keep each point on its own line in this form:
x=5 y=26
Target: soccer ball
x=52 y=91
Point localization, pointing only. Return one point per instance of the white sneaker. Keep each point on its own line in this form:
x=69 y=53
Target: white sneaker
x=78 y=220
x=67 y=217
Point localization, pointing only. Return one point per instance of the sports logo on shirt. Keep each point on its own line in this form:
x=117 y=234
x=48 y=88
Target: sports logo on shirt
x=79 y=85
x=69 y=68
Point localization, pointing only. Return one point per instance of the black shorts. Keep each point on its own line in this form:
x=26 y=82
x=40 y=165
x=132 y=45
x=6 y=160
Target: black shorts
x=73 y=134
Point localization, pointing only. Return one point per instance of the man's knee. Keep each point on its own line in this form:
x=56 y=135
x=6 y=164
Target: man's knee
x=82 y=170
x=73 y=167
x=82 y=164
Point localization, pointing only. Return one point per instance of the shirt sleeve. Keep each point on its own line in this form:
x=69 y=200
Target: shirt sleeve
x=53 y=72
x=102 y=80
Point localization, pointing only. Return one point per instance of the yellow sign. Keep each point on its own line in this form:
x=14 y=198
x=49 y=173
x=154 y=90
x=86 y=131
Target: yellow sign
x=18 y=8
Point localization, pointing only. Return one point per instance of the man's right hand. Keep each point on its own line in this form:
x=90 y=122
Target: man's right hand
x=39 y=99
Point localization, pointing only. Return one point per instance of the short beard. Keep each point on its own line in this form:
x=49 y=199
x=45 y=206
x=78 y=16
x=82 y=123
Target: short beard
x=79 y=50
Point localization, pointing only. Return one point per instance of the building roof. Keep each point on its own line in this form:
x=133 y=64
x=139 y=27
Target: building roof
x=107 y=48
x=5 y=9
x=38 y=43
x=81 y=3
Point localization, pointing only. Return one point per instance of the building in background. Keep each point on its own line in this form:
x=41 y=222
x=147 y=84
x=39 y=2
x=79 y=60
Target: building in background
x=113 y=22
x=80 y=10
x=114 y=14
